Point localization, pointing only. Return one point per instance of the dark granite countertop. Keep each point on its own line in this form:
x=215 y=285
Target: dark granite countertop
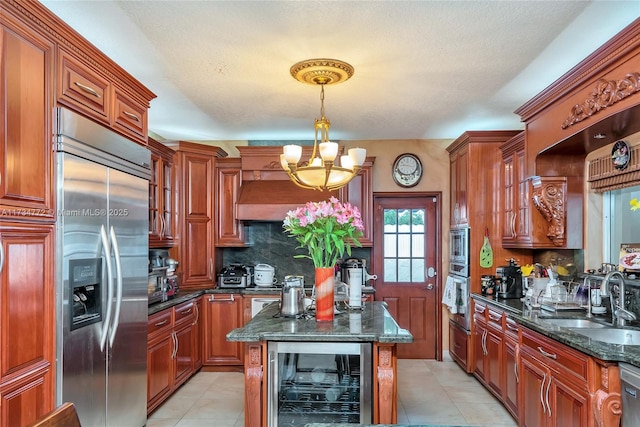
x=178 y=299
x=253 y=290
x=534 y=319
x=371 y=324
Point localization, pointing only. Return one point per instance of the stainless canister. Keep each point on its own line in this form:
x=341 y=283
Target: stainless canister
x=292 y=297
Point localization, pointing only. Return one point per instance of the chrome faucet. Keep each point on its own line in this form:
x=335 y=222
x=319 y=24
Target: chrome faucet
x=620 y=314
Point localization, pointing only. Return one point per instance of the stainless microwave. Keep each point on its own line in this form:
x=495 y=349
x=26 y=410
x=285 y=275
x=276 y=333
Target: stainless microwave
x=459 y=246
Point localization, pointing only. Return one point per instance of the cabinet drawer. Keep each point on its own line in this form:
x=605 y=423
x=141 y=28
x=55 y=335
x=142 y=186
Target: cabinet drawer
x=494 y=318
x=184 y=312
x=130 y=117
x=511 y=327
x=558 y=356
x=83 y=89
x=479 y=311
x=160 y=322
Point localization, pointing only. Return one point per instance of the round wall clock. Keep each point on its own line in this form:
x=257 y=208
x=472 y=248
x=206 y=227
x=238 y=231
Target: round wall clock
x=620 y=155
x=407 y=170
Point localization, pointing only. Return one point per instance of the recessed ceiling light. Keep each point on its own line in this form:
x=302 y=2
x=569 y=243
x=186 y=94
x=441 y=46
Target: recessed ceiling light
x=599 y=136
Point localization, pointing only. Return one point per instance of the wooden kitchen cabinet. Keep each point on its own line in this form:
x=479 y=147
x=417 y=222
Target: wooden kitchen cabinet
x=488 y=353
x=359 y=192
x=162 y=194
x=82 y=88
x=554 y=224
x=222 y=313
x=26 y=90
x=90 y=90
x=229 y=231
x=475 y=161
x=197 y=323
x=27 y=228
x=554 y=386
x=37 y=53
x=511 y=376
x=160 y=347
x=172 y=346
x=195 y=169
x=458 y=345
x=516 y=193
x=27 y=321
x=459 y=214
x=496 y=352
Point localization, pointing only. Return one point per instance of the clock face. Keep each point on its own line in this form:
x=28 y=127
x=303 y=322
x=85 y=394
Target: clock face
x=407 y=170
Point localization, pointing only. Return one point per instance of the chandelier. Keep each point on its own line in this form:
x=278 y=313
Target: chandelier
x=323 y=171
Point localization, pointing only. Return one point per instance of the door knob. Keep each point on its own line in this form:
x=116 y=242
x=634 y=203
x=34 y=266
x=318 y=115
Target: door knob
x=428 y=287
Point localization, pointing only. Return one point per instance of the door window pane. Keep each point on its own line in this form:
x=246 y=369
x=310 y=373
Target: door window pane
x=404 y=245
x=390 y=270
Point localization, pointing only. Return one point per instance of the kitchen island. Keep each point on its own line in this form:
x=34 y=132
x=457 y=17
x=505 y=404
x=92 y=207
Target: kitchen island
x=372 y=329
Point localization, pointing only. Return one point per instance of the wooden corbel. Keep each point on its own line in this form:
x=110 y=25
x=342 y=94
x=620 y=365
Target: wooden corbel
x=548 y=197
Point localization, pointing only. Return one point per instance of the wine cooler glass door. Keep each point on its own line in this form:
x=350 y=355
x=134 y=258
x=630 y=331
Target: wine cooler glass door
x=319 y=382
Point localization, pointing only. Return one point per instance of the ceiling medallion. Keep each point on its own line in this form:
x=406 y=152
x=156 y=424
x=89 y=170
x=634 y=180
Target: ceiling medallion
x=322 y=71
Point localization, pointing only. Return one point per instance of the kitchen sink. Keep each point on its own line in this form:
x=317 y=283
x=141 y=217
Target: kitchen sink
x=611 y=335
x=573 y=323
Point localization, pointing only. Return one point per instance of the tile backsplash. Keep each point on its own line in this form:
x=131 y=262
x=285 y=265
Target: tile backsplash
x=269 y=244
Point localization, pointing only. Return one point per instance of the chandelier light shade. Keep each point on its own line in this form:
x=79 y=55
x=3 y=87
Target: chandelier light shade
x=323 y=171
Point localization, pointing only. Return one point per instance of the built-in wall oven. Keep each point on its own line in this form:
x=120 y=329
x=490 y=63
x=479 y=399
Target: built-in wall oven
x=458 y=279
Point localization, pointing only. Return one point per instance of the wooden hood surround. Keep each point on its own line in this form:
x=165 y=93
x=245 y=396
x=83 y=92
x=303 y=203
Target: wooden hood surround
x=266 y=192
x=599 y=96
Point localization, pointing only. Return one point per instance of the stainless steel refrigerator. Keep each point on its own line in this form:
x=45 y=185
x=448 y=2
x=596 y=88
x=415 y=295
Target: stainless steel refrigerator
x=102 y=184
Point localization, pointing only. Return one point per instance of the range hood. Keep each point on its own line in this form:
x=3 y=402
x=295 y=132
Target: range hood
x=270 y=200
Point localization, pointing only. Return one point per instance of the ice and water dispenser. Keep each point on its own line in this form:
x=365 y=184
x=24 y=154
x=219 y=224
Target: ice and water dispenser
x=85 y=284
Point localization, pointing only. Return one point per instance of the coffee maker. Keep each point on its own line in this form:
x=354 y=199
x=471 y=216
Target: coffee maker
x=511 y=284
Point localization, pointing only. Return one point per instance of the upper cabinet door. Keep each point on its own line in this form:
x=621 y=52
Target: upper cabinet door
x=83 y=89
x=26 y=91
x=229 y=231
x=359 y=192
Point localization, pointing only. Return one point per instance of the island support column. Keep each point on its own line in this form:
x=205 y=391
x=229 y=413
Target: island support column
x=385 y=384
x=254 y=384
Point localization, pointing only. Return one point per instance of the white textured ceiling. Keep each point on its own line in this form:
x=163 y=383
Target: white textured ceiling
x=423 y=69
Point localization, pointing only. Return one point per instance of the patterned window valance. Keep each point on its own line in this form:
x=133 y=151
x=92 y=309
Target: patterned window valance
x=603 y=175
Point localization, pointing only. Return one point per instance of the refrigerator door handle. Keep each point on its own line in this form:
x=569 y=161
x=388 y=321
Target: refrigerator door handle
x=116 y=318
x=107 y=316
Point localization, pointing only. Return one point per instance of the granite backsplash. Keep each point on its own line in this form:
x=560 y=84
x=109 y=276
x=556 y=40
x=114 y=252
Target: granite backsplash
x=269 y=244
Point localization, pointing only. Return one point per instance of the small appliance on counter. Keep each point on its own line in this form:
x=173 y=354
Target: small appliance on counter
x=173 y=282
x=511 y=280
x=292 y=296
x=353 y=272
x=158 y=258
x=235 y=276
x=264 y=275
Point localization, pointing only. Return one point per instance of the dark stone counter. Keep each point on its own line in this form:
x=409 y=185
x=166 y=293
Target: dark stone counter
x=371 y=324
x=253 y=290
x=178 y=299
x=534 y=319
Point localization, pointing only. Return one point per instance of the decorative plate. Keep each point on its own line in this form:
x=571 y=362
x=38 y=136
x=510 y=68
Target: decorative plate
x=620 y=155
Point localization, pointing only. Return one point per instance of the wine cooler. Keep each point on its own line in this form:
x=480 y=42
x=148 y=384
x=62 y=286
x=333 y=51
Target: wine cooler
x=319 y=382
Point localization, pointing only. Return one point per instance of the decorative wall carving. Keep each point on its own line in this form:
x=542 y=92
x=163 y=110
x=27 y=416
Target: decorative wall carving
x=605 y=93
x=549 y=198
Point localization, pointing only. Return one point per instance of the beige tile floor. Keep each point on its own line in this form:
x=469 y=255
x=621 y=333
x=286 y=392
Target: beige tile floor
x=429 y=392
